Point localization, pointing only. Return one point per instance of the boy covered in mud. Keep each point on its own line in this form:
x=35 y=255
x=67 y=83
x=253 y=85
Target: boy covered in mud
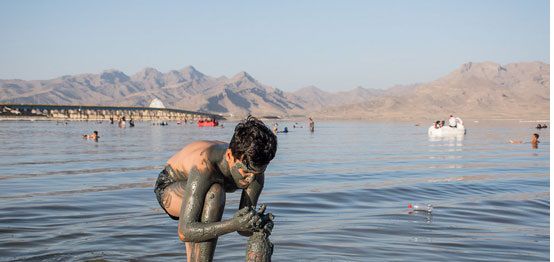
x=192 y=186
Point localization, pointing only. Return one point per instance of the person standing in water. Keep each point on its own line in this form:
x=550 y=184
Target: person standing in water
x=193 y=185
x=535 y=141
x=311 y=124
x=121 y=122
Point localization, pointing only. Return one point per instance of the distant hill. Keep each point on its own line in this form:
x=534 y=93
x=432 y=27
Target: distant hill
x=475 y=90
x=480 y=90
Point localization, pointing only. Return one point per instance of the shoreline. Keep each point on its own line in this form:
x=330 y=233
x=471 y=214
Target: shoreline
x=285 y=119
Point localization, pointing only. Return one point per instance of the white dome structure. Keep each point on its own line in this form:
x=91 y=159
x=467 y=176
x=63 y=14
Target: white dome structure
x=156 y=103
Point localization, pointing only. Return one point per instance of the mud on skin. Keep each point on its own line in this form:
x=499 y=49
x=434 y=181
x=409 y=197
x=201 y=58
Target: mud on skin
x=203 y=203
x=259 y=248
x=197 y=196
x=190 y=227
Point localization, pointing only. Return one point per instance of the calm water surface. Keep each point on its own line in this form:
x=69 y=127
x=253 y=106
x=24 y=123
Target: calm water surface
x=340 y=194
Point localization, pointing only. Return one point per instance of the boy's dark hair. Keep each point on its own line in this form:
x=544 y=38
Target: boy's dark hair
x=253 y=143
x=536 y=135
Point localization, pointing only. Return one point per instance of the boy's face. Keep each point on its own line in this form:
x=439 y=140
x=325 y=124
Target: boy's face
x=242 y=176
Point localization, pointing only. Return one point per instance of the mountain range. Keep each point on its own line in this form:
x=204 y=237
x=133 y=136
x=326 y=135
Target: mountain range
x=475 y=90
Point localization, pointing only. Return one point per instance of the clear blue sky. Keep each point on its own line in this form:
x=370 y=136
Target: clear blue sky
x=334 y=45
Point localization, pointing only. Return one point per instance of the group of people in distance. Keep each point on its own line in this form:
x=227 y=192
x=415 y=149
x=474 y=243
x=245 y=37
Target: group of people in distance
x=311 y=126
x=121 y=122
x=452 y=122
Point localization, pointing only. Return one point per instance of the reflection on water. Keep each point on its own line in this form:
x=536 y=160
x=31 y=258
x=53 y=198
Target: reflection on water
x=455 y=139
x=339 y=194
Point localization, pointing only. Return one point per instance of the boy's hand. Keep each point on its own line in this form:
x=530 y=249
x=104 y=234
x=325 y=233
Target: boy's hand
x=266 y=220
x=246 y=219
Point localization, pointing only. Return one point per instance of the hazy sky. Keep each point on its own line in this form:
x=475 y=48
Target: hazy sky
x=334 y=45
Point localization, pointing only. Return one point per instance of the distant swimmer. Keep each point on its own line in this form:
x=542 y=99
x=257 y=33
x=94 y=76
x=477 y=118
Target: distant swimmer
x=285 y=130
x=121 y=122
x=534 y=141
x=93 y=136
x=539 y=126
x=311 y=124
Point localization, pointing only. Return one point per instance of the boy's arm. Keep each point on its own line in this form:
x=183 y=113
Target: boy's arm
x=250 y=196
x=191 y=229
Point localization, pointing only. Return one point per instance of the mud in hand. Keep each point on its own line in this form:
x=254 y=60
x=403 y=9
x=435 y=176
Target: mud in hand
x=259 y=247
x=247 y=220
x=265 y=224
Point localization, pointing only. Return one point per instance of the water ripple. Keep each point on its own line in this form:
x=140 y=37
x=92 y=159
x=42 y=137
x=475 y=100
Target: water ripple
x=339 y=194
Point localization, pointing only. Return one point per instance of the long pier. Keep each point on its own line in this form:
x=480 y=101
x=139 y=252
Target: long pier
x=83 y=112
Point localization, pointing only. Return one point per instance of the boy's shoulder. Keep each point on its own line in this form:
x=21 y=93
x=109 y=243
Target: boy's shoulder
x=200 y=147
x=196 y=154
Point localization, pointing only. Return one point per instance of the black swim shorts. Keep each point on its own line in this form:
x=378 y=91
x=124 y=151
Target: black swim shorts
x=165 y=179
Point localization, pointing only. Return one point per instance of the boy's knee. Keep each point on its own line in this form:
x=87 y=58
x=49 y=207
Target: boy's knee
x=214 y=204
x=216 y=193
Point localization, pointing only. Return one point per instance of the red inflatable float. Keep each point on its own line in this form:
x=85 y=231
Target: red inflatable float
x=202 y=123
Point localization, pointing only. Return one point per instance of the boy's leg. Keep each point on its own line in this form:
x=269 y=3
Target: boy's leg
x=172 y=198
x=214 y=205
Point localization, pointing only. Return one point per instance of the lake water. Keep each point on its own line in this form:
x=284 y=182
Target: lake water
x=339 y=194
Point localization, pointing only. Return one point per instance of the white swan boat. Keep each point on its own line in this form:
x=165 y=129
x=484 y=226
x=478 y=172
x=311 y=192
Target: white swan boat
x=447 y=130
